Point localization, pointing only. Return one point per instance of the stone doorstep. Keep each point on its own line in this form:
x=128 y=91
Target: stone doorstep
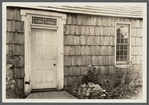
x=51 y=95
x=43 y=90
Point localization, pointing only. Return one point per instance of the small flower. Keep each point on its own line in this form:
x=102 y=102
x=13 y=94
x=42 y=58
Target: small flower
x=87 y=94
x=96 y=85
x=104 y=90
x=12 y=86
x=74 y=91
x=136 y=91
x=83 y=85
x=90 y=84
x=8 y=78
x=84 y=89
x=89 y=89
x=103 y=95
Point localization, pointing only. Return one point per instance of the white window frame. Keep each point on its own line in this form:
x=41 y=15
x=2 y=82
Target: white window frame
x=27 y=18
x=123 y=64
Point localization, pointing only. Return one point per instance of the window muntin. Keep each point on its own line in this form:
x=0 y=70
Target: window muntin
x=122 y=43
x=43 y=20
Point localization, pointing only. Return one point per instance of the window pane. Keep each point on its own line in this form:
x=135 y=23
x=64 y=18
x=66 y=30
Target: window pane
x=118 y=40
x=125 y=52
x=117 y=58
x=125 y=46
x=121 y=58
x=121 y=52
x=126 y=40
x=121 y=46
x=122 y=36
x=118 y=35
x=122 y=40
x=38 y=20
x=117 y=47
x=118 y=30
x=50 y=21
x=125 y=58
x=117 y=52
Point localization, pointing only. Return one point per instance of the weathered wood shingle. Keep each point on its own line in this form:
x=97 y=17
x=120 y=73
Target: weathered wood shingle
x=91 y=41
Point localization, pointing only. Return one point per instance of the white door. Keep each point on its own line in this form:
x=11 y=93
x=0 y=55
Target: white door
x=44 y=58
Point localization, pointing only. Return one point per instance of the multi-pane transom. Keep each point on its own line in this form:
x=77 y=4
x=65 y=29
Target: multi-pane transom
x=43 y=20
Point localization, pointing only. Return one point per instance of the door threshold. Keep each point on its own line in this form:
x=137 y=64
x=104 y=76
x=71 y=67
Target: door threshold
x=44 y=90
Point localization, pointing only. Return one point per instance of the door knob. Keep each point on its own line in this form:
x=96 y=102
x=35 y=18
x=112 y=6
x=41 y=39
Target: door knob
x=54 y=64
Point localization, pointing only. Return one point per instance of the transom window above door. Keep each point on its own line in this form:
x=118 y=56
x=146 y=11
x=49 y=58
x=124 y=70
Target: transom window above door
x=122 y=43
x=44 y=21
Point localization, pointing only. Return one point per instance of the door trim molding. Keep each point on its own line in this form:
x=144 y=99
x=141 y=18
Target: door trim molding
x=26 y=17
x=45 y=13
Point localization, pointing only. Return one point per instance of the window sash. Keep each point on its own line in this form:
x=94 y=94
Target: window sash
x=44 y=20
x=122 y=54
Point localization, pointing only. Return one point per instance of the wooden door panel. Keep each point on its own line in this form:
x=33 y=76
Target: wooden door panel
x=38 y=75
x=48 y=64
x=49 y=75
x=38 y=38
x=37 y=52
x=44 y=58
x=50 y=38
x=38 y=64
x=49 y=53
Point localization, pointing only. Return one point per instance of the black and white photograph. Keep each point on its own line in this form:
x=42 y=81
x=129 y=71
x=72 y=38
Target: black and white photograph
x=74 y=52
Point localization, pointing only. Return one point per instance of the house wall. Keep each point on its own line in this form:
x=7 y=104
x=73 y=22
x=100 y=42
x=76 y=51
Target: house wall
x=90 y=40
x=15 y=48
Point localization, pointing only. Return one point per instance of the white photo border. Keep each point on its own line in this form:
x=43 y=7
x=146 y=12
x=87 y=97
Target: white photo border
x=26 y=4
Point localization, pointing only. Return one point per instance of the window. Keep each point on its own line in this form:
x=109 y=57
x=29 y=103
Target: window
x=122 y=43
x=45 y=21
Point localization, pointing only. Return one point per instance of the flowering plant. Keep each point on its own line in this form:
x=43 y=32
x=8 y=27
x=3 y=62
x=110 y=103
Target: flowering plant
x=130 y=85
x=89 y=91
x=10 y=82
x=123 y=85
x=91 y=75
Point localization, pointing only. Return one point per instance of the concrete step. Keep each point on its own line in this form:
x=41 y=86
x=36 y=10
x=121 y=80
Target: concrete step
x=51 y=95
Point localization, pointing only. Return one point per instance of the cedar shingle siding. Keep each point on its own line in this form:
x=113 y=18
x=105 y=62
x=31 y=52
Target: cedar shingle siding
x=15 y=46
x=88 y=40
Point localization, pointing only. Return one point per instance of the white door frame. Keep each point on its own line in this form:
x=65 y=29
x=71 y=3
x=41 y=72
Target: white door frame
x=27 y=18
